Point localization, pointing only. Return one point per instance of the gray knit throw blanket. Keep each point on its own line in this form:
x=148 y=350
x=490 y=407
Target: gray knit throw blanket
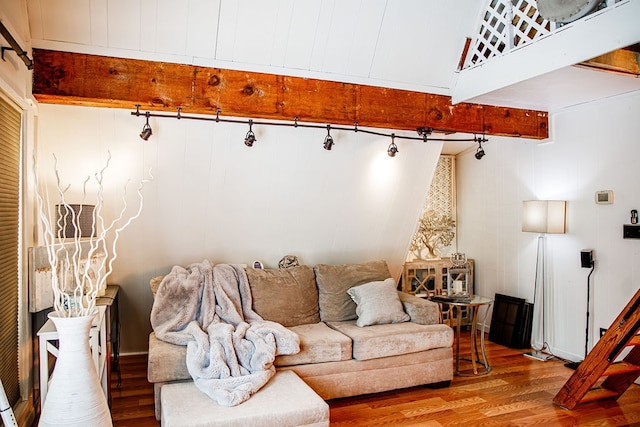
x=230 y=348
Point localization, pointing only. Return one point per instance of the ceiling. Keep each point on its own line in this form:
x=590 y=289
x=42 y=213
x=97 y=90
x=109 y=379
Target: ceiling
x=403 y=44
x=378 y=42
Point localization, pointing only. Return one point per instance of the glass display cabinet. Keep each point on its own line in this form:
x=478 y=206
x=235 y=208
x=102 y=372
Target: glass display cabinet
x=429 y=278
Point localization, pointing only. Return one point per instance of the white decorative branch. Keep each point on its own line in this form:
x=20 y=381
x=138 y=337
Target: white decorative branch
x=73 y=259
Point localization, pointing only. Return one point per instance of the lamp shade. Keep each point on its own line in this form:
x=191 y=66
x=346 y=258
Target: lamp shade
x=70 y=217
x=544 y=216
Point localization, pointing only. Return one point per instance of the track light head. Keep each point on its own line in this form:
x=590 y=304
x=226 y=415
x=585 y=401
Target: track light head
x=328 y=143
x=328 y=140
x=146 y=130
x=250 y=138
x=480 y=151
x=393 y=148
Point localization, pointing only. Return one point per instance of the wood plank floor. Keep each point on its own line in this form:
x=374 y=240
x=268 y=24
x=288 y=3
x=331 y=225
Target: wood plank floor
x=517 y=392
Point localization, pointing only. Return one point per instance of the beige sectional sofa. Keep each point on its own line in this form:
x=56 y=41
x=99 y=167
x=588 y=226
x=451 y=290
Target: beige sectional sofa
x=357 y=333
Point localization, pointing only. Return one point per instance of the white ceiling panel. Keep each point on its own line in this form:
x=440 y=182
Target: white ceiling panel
x=148 y=25
x=125 y=20
x=566 y=87
x=172 y=26
x=403 y=44
x=304 y=22
x=99 y=25
x=401 y=34
x=365 y=39
x=202 y=28
x=281 y=33
x=34 y=9
x=345 y=25
x=254 y=31
x=322 y=33
x=227 y=24
x=66 y=21
x=421 y=47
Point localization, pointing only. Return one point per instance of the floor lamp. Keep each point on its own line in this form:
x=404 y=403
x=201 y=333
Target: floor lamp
x=543 y=217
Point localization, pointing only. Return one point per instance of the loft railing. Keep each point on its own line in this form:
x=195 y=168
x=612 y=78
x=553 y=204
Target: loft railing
x=506 y=25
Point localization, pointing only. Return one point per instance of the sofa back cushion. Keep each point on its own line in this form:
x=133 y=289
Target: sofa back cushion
x=287 y=296
x=333 y=282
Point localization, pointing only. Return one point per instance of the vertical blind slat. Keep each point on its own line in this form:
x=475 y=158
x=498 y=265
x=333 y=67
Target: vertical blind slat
x=10 y=123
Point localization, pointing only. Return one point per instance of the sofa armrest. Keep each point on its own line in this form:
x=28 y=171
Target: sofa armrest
x=420 y=310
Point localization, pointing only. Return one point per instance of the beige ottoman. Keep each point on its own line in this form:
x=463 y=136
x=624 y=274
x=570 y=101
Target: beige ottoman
x=285 y=401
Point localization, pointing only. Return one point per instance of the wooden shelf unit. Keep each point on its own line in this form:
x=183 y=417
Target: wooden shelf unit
x=426 y=278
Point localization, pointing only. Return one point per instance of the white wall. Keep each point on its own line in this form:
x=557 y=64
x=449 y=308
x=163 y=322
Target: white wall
x=594 y=147
x=214 y=198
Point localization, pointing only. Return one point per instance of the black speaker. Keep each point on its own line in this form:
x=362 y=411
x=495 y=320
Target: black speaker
x=586 y=258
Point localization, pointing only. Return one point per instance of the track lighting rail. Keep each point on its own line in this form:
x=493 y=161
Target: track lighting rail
x=28 y=62
x=424 y=134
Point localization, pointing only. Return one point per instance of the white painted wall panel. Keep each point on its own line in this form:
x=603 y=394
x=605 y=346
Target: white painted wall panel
x=593 y=149
x=214 y=198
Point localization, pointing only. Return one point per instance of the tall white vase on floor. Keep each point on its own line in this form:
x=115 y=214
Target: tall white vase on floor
x=75 y=396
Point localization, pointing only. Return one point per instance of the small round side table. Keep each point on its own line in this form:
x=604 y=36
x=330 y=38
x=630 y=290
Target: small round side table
x=478 y=356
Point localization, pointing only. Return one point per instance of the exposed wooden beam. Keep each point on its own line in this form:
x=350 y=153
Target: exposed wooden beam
x=80 y=79
x=621 y=61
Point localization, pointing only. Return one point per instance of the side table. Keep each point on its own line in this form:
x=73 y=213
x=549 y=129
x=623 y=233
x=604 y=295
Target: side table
x=110 y=300
x=474 y=304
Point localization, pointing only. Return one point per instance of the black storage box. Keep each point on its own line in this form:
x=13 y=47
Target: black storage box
x=511 y=322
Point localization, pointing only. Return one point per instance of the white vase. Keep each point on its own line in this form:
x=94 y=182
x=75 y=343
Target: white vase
x=74 y=396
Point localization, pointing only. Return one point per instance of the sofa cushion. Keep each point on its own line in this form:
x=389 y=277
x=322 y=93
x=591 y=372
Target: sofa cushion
x=287 y=296
x=154 y=284
x=167 y=362
x=378 y=303
x=394 y=338
x=420 y=310
x=284 y=401
x=355 y=377
x=318 y=344
x=333 y=282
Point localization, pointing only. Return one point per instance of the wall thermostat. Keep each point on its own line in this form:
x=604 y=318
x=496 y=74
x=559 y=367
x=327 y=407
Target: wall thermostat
x=604 y=197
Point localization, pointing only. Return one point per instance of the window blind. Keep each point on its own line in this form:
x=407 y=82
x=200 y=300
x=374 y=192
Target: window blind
x=10 y=124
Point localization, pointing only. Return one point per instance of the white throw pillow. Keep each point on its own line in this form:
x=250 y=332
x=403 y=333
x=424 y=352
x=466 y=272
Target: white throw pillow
x=377 y=303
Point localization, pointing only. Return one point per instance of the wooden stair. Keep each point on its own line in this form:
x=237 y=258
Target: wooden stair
x=599 y=376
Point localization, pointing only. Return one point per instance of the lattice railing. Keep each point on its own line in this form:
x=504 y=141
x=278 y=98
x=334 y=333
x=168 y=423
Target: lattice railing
x=508 y=24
